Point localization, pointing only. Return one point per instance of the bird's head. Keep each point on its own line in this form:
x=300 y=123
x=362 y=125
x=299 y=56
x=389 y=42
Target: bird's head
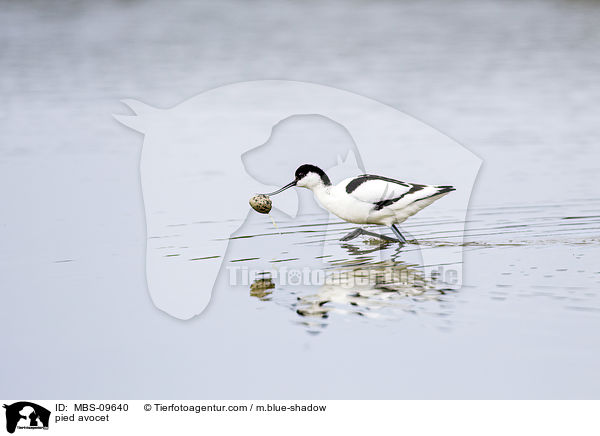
x=311 y=176
x=306 y=176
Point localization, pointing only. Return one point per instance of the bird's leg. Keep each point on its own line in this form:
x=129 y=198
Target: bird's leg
x=401 y=238
x=378 y=235
x=353 y=234
x=360 y=231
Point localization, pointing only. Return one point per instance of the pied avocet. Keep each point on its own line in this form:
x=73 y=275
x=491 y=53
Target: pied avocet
x=367 y=199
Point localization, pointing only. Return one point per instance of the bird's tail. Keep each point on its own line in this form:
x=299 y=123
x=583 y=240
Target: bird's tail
x=445 y=189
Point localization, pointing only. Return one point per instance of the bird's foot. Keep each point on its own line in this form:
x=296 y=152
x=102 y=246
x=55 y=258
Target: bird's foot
x=380 y=236
x=356 y=233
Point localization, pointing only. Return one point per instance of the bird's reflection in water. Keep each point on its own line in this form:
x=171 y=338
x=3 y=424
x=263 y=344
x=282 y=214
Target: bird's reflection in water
x=358 y=286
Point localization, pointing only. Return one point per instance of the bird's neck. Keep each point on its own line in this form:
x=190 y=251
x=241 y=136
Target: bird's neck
x=322 y=192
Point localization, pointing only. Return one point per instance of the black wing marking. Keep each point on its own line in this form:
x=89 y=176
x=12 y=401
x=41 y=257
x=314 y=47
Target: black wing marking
x=414 y=188
x=355 y=183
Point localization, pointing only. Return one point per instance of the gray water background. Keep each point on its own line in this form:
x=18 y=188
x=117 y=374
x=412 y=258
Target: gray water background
x=515 y=82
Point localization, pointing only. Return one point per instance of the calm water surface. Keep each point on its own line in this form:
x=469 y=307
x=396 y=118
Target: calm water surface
x=515 y=82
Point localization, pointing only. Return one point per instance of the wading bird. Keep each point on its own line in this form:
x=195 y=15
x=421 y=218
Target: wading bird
x=367 y=199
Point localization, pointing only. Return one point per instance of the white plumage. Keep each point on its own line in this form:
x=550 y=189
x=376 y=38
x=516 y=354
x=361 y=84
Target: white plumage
x=367 y=199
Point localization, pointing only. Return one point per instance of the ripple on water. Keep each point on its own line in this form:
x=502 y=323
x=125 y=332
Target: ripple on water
x=371 y=280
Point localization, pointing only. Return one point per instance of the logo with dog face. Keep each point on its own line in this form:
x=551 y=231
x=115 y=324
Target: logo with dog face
x=26 y=415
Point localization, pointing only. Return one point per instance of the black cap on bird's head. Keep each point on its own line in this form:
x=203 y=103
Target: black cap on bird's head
x=306 y=176
x=303 y=171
